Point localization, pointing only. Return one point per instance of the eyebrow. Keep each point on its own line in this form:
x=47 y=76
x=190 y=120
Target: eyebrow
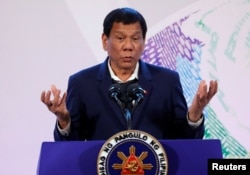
x=135 y=33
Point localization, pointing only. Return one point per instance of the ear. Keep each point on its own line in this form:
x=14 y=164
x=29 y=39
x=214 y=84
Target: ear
x=104 y=42
x=144 y=44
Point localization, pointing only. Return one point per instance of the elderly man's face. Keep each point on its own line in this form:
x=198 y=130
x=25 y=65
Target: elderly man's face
x=124 y=45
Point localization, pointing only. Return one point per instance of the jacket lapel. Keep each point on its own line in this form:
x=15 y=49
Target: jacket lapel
x=145 y=81
x=105 y=82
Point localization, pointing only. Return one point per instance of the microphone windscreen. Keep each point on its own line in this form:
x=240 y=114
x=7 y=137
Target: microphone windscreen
x=134 y=90
x=115 y=89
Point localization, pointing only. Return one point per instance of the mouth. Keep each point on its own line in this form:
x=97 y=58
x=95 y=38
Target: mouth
x=127 y=58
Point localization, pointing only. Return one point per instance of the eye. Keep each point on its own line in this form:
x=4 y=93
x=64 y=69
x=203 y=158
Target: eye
x=120 y=38
x=136 y=38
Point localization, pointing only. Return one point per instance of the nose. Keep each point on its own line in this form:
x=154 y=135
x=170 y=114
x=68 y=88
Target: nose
x=128 y=45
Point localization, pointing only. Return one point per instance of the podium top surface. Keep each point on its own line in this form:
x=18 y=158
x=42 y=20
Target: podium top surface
x=185 y=157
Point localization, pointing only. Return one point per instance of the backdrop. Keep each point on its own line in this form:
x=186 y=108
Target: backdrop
x=43 y=42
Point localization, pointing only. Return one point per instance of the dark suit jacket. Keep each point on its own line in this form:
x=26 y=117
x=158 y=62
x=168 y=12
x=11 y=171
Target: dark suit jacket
x=95 y=116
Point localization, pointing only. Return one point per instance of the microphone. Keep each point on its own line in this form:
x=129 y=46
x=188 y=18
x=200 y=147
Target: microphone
x=115 y=93
x=135 y=92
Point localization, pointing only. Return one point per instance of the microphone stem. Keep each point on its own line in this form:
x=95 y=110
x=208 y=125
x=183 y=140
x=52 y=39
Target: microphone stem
x=127 y=115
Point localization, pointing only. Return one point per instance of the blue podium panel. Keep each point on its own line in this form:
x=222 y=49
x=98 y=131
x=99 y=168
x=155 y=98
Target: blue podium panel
x=190 y=157
x=185 y=157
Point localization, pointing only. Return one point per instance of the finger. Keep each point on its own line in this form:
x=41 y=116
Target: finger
x=47 y=100
x=215 y=89
x=57 y=98
x=53 y=89
x=212 y=89
x=202 y=91
x=201 y=100
x=42 y=98
x=56 y=93
x=63 y=100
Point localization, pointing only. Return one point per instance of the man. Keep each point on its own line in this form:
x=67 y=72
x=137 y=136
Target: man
x=90 y=110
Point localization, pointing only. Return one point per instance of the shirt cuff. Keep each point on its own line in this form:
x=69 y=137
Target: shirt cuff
x=65 y=131
x=195 y=124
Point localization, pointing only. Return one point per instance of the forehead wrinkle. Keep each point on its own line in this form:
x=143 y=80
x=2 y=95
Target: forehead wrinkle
x=126 y=32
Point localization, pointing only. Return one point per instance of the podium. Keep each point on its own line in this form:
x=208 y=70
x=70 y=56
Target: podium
x=185 y=157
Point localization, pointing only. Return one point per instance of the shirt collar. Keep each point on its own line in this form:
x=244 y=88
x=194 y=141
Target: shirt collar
x=133 y=76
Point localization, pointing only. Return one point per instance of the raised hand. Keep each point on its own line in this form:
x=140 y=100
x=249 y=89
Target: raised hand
x=201 y=99
x=57 y=105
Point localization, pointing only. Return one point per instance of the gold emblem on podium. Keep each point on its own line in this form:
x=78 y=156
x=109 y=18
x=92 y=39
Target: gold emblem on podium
x=132 y=164
x=132 y=152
